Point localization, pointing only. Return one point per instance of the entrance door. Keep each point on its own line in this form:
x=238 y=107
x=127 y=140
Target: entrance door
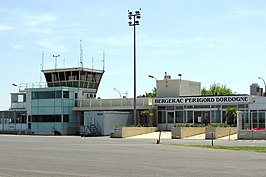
x=170 y=119
x=201 y=117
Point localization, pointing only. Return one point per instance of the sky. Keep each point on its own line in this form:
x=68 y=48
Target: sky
x=208 y=41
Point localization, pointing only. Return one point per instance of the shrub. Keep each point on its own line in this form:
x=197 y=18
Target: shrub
x=219 y=125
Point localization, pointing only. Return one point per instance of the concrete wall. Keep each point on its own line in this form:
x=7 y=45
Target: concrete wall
x=108 y=120
x=251 y=135
x=131 y=131
x=219 y=132
x=184 y=132
x=176 y=88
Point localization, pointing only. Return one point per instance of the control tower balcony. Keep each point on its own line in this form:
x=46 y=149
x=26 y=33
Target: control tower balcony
x=77 y=77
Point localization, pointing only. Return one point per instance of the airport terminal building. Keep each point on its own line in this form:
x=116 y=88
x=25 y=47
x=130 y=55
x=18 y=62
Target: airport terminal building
x=67 y=104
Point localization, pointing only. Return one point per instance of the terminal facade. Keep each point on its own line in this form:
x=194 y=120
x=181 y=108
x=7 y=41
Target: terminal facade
x=67 y=104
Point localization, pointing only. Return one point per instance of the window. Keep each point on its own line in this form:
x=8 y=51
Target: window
x=46 y=95
x=202 y=106
x=179 y=117
x=65 y=94
x=161 y=117
x=170 y=117
x=216 y=116
x=66 y=118
x=179 y=107
x=170 y=108
x=46 y=118
x=189 y=116
x=161 y=108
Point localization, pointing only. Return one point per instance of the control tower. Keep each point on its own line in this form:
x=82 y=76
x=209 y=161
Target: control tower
x=77 y=77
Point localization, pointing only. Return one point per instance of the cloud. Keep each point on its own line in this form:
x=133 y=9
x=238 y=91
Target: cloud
x=5 y=27
x=17 y=46
x=101 y=12
x=206 y=42
x=52 y=45
x=35 y=20
x=249 y=13
x=117 y=41
x=41 y=30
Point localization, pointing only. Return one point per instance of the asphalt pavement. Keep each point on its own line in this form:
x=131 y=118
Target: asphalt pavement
x=23 y=155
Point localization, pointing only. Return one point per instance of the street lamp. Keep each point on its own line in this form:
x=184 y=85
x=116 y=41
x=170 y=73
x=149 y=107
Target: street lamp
x=134 y=23
x=264 y=85
x=118 y=92
x=56 y=56
x=152 y=77
x=15 y=85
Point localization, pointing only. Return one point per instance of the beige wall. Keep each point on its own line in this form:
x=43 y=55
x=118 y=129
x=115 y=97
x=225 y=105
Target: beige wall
x=184 y=132
x=176 y=88
x=219 y=132
x=131 y=131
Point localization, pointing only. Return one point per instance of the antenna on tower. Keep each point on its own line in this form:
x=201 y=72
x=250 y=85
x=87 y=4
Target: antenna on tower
x=103 y=60
x=42 y=59
x=81 y=54
x=92 y=63
x=64 y=62
x=42 y=66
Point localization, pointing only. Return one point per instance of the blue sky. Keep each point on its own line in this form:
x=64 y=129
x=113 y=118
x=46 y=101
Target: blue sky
x=207 y=41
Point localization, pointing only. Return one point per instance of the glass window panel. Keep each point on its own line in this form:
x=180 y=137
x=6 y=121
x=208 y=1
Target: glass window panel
x=161 y=117
x=179 y=107
x=216 y=116
x=179 y=117
x=65 y=94
x=161 y=107
x=170 y=108
x=189 y=116
x=170 y=117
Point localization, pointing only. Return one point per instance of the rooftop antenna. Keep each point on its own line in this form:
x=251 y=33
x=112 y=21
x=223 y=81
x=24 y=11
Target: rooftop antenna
x=42 y=66
x=92 y=63
x=42 y=59
x=81 y=54
x=103 y=59
x=64 y=61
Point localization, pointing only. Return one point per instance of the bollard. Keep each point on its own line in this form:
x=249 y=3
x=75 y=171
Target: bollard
x=158 y=141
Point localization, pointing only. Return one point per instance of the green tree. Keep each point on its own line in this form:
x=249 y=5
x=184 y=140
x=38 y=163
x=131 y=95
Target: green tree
x=231 y=116
x=151 y=94
x=148 y=113
x=216 y=89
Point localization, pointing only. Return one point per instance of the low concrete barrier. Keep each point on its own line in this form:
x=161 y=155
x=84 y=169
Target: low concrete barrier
x=184 y=132
x=219 y=132
x=251 y=135
x=125 y=132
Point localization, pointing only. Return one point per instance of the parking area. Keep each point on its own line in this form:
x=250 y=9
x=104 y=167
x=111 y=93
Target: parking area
x=104 y=156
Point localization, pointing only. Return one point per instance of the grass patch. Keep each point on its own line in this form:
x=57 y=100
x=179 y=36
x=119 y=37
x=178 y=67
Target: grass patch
x=261 y=149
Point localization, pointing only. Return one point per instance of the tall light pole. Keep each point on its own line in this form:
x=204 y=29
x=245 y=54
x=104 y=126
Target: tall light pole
x=56 y=56
x=118 y=92
x=134 y=23
x=264 y=85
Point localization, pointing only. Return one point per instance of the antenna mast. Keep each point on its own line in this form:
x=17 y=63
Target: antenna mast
x=81 y=54
x=103 y=60
x=42 y=66
x=92 y=63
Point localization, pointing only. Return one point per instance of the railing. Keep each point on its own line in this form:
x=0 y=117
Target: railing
x=125 y=102
x=24 y=86
x=94 y=127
